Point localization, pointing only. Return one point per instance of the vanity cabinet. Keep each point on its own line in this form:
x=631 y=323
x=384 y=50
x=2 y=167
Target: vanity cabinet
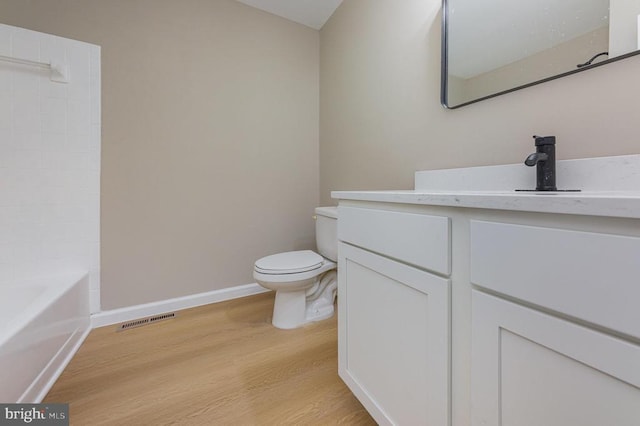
x=394 y=314
x=466 y=303
x=551 y=354
x=463 y=316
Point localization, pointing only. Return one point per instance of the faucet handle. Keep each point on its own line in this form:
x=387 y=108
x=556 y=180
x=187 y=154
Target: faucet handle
x=544 y=140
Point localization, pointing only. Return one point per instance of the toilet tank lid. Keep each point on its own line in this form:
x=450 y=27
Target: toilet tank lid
x=331 y=212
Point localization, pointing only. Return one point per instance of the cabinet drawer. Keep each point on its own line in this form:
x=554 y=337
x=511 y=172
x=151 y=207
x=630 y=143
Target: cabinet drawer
x=587 y=275
x=417 y=239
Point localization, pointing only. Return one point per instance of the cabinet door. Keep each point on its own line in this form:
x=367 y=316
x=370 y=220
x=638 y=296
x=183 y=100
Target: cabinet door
x=393 y=326
x=530 y=368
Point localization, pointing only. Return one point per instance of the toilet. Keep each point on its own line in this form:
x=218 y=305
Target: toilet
x=305 y=282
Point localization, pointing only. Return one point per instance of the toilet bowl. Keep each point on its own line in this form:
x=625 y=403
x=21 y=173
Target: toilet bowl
x=304 y=281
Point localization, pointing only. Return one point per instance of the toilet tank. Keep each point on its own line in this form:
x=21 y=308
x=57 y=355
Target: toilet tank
x=327 y=232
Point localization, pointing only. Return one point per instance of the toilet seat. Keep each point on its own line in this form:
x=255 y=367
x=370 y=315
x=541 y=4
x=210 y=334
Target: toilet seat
x=292 y=262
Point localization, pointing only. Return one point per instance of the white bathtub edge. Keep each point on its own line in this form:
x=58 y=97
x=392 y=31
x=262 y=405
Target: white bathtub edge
x=129 y=313
x=76 y=296
x=51 y=373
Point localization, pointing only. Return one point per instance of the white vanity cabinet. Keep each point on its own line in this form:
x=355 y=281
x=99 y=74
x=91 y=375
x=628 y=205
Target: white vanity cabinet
x=394 y=313
x=551 y=356
x=466 y=303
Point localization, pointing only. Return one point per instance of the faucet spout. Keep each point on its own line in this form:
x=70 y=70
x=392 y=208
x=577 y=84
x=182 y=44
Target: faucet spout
x=535 y=158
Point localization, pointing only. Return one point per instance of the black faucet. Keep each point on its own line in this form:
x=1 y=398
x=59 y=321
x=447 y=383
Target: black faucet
x=545 y=161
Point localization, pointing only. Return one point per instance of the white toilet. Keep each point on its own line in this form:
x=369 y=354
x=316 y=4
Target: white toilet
x=305 y=282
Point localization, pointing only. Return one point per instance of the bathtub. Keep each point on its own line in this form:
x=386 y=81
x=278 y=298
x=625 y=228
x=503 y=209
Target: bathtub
x=42 y=325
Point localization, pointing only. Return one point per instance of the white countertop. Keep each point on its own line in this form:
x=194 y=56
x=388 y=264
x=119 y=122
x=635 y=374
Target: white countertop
x=592 y=203
x=610 y=186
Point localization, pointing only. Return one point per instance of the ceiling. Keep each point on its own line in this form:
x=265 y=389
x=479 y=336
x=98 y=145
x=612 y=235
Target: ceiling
x=312 y=13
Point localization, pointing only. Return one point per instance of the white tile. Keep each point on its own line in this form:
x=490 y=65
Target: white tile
x=53 y=89
x=77 y=142
x=91 y=230
x=52 y=49
x=62 y=162
x=6 y=113
x=56 y=123
x=96 y=84
x=94 y=62
x=78 y=161
x=7 y=276
x=69 y=213
x=6 y=253
x=30 y=213
x=27 y=140
x=26 y=83
x=75 y=179
x=5 y=80
x=94 y=277
x=79 y=116
x=5 y=39
x=8 y=216
x=49 y=169
x=84 y=253
x=26 y=114
x=23 y=272
x=54 y=115
x=94 y=263
x=27 y=251
x=7 y=141
x=79 y=55
x=53 y=106
x=26 y=44
x=94 y=301
x=94 y=140
x=46 y=211
x=53 y=142
x=31 y=232
x=79 y=86
x=18 y=160
x=94 y=160
x=61 y=233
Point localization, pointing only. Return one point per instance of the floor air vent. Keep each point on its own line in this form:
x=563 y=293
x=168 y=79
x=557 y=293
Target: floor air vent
x=145 y=321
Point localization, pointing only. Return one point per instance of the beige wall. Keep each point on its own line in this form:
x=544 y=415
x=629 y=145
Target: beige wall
x=381 y=120
x=210 y=138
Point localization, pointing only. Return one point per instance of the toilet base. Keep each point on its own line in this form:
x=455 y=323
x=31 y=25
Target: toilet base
x=293 y=309
x=289 y=309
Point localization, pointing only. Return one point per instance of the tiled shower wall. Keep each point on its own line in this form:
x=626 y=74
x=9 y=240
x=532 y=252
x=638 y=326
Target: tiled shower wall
x=49 y=161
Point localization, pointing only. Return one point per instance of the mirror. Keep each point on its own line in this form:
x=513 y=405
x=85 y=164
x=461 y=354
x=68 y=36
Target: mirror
x=492 y=47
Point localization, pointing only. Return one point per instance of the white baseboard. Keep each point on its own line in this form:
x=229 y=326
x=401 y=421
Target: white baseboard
x=129 y=313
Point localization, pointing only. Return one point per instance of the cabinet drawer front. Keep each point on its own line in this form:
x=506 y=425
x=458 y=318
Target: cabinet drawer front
x=417 y=239
x=587 y=275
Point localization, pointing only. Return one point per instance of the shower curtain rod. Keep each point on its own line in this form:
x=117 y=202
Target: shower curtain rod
x=59 y=72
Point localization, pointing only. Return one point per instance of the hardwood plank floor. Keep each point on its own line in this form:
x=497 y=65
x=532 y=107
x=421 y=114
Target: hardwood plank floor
x=220 y=364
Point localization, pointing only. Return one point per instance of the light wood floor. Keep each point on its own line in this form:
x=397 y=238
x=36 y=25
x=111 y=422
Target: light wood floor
x=221 y=364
